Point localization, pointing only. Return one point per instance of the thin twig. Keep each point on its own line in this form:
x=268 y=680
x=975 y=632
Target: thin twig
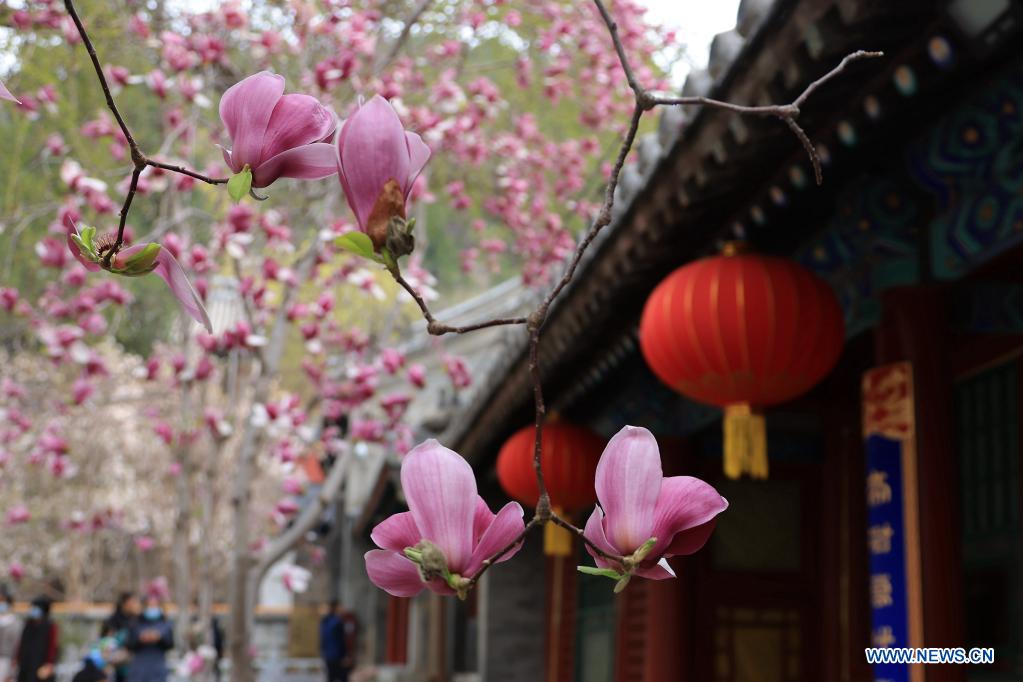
x=487 y=563
x=403 y=37
x=568 y=525
x=184 y=171
x=138 y=158
x=70 y=6
x=436 y=328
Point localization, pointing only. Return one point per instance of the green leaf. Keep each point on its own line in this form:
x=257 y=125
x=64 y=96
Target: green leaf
x=388 y=260
x=142 y=262
x=358 y=243
x=604 y=572
x=87 y=234
x=240 y=184
x=83 y=239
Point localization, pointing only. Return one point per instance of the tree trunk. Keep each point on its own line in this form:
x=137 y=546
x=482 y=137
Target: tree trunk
x=182 y=558
x=242 y=603
x=244 y=585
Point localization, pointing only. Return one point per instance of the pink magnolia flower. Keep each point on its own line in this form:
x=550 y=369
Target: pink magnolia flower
x=157 y=588
x=638 y=504
x=293 y=486
x=287 y=507
x=136 y=261
x=274 y=134
x=16 y=571
x=6 y=94
x=448 y=531
x=18 y=514
x=295 y=578
x=144 y=543
x=377 y=163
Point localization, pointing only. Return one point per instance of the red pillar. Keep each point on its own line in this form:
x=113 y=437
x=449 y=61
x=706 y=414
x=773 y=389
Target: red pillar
x=397 y=630
x=915 y=328
x=561 y=610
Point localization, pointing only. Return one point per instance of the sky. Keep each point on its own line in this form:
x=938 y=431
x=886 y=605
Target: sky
x=697 y=21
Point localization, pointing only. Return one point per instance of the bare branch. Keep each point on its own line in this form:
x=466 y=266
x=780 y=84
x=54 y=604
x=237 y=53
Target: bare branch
x=403 y=37
x=644 y=101
x=138 y=158
x=848 y=59
x=184 y=171
x=436 y=328
x=487 y=563
x=135 y=152
x=567 y=525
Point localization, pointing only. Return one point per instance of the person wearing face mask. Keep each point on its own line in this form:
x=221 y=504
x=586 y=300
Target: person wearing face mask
x=118 y=626
x=149 y=640
x=10 y=628
x=36 y=655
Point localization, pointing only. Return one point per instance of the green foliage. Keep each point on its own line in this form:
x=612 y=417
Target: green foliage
x=240 y=184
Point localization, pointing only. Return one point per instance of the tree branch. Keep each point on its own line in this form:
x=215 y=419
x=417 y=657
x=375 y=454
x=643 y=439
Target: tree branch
x=644 y=100
x=138 y=158
x=437 y=328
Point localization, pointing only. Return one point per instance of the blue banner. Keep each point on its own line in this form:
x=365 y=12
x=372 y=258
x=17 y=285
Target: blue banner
x=892 y=523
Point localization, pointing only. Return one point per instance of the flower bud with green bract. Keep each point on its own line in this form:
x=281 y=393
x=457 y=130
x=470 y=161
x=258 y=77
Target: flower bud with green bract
x=378 y=161
x=134 y=261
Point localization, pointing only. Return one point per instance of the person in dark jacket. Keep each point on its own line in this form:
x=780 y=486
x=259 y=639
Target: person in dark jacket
x=37 y=648
x=149 y=640
x=119 y=624
x=333 y=644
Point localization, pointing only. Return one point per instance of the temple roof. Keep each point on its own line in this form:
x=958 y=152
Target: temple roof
x=706 y=176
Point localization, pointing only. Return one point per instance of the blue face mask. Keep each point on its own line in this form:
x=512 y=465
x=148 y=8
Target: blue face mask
x=4 y=607
x=152 y=613
x=96 y=656
x=35 y=613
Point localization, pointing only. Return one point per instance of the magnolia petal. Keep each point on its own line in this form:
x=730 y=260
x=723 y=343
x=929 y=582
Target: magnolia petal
x=245 y=109
x=396 y=532
x=628 y=481
x=308 y=162
x=6 y=94
x=229 y=159
x=170 y=270
x=690 y=540
x=684 y=502
x=372 y=149
x=393 y=573
x=441 y=492
x=419 y=154
x=504 y=528
x=438 y=586
x=659 y=571
x=339 y=142
x=481 y=521
x=296 y=121
x=594 y=532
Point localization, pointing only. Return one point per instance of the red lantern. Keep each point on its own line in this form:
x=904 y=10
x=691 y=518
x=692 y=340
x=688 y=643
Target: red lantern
x=742 y=331
x=569 y=459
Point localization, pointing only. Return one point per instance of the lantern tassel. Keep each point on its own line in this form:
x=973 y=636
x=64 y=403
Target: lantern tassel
x=557 y=541
x=745 y=442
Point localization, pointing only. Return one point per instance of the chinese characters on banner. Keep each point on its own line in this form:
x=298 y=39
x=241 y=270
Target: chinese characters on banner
x=893 y=528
